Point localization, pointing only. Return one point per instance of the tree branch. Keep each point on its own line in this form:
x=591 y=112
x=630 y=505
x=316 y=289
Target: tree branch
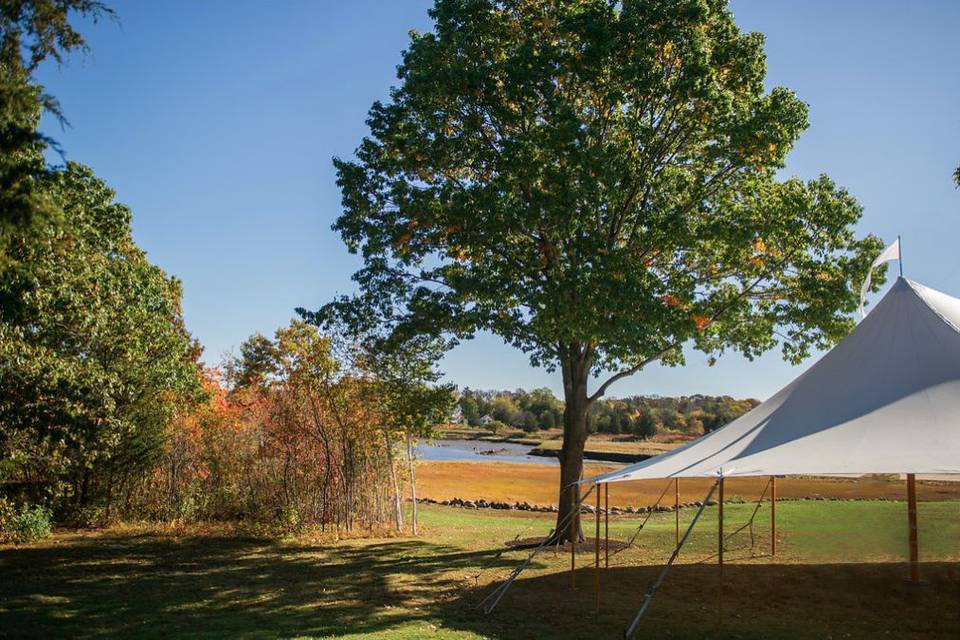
x=747 y=291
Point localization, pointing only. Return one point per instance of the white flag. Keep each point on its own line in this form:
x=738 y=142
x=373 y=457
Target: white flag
x=890 y=253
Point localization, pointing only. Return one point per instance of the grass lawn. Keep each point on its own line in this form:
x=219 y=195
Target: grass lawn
x=839 y=573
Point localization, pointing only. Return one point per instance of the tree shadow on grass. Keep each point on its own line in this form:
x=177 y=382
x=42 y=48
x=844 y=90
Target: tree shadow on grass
x=755 y=601
x=230 y=587
x=147 y=586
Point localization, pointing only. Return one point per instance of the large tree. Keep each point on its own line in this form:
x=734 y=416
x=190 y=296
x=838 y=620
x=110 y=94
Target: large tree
x=94 y=356
x=595 y=181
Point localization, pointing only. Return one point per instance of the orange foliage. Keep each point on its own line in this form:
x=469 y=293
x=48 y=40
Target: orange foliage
x=701 y=321
x=671 y=300
x=288 y=453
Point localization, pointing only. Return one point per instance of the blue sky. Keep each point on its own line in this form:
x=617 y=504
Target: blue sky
x=216 y=122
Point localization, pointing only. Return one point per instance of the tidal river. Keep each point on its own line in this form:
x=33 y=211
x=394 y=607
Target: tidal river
x=482 y=451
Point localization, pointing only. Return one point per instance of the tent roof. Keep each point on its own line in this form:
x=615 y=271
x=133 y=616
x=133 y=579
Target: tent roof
x=884 y=400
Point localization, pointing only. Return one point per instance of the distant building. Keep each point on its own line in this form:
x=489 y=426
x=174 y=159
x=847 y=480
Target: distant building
x=486 y=420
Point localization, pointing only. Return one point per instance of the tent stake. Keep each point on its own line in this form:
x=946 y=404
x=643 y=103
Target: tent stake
x=652 y=591
x=912 y=517
x=773 y=515
x=606 y=526
x=596 y=558
x=676 y=508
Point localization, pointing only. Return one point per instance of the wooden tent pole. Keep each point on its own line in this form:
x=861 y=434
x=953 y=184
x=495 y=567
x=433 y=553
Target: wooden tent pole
x=773 y=515
x=720 y=548
x=596 y=547
x=676 y=509
x=606 y=526
x=720 y=529
x=912 y=517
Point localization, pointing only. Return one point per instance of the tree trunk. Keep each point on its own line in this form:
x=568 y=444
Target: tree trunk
x=397 y=498
x=575 y=373
x=321 y=430
x=413 y=484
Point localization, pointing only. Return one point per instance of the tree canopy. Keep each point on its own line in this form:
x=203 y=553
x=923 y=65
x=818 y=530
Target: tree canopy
x=95 y=357
x=601 y=174
x=31 y=31
x=596 y=182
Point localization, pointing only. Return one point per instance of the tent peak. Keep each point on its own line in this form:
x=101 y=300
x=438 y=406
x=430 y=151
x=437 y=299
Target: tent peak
x=945 y=306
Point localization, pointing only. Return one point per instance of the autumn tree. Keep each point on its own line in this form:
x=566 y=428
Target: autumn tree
x=323 y=458
x=292 y=378
x=596 y=181
x=401 y=369
x=414 y=402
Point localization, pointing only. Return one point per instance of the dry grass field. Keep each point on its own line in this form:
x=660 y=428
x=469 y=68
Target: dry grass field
x=601 y=445
x=537 y=484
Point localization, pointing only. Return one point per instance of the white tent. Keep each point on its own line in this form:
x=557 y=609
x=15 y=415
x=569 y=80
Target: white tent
x=885 y=400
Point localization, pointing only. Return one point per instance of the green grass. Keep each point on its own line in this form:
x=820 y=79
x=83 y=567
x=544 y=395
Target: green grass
x=838 y=573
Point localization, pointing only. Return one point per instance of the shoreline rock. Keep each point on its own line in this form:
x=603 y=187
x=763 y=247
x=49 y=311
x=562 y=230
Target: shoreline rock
x=482 y=503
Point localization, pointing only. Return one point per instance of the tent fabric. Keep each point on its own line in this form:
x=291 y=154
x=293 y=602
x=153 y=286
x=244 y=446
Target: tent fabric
x=884 y=400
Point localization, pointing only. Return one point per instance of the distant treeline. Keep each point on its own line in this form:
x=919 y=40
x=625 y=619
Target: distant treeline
x=641 y=416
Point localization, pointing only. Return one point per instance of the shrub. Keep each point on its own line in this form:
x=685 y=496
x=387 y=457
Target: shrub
x=29 y=524
x=496 y=427
x=289 y=521
x=89 y=516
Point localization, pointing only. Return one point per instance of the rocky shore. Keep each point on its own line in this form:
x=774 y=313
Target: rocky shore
x=614 y=510
x=595 y=456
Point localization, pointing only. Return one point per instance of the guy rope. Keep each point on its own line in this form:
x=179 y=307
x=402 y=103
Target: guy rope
x=495 y=596
x=655 y=586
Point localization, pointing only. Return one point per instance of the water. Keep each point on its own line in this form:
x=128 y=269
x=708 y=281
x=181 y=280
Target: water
x=481 y=451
